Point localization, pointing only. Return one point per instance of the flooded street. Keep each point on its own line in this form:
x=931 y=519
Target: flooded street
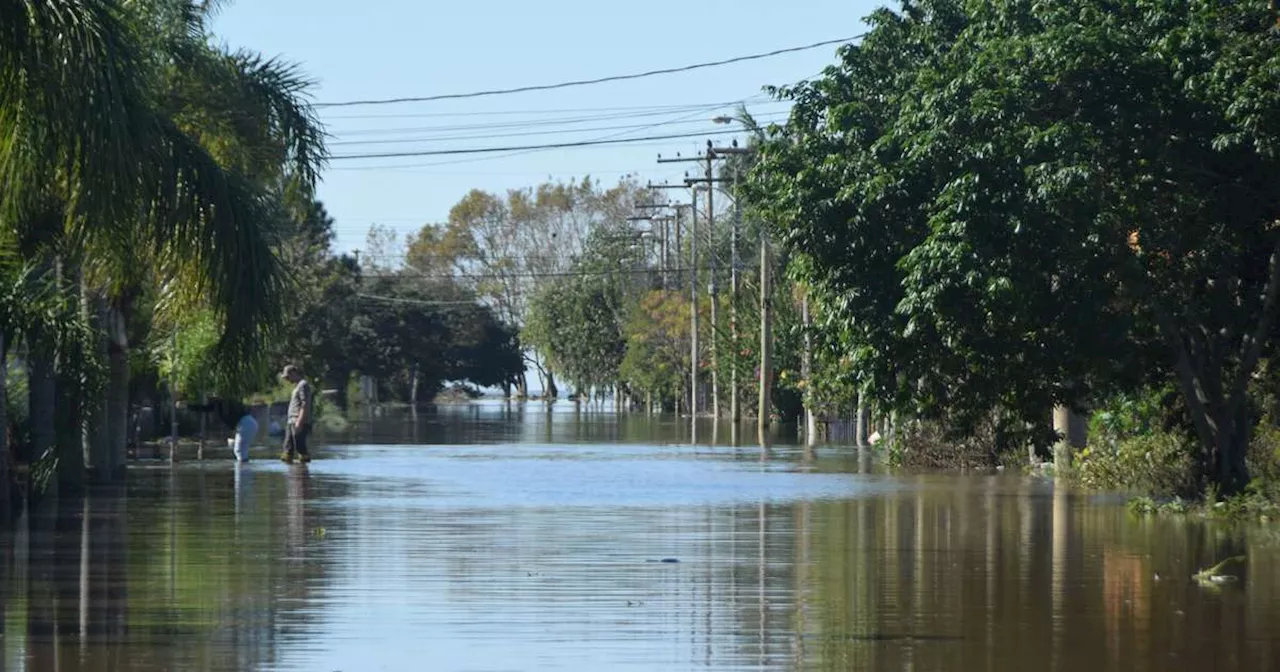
x=483 y=538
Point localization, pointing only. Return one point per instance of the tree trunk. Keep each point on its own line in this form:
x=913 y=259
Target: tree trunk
x=5 y=448
x=715 y=342
x=766 y=340
x=551 y=391
x=1229 y=470
x=413 y=386
x=69 y=393
x=1072 y=433
x=42 y=393
x=806 y=374
x=861 y=422
x=94 y=431
x=117 y=394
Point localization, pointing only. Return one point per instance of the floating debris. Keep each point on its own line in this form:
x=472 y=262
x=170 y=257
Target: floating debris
x=1217 y=574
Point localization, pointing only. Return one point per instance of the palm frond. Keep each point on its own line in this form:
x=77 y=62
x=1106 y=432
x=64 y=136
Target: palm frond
x=282 y=89
x=219 y=228
x=252 y=112
x=70 y=94
x=213 y=7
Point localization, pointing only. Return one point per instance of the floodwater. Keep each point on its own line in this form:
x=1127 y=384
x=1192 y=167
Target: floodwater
x=487 y=538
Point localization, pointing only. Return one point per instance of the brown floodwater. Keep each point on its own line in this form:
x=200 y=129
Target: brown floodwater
x=485 y=537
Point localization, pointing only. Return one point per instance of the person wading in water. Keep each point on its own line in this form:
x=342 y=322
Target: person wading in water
x=297 y=429
x=233 y=414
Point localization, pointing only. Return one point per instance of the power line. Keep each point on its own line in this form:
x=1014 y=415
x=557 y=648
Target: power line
x=584 y=82
x=507 y=154
x=504 y=155
x=532 y=123
x=419 y=302
x=526 y=275
x=558 y=145
x=773 y=116
x=577 y=110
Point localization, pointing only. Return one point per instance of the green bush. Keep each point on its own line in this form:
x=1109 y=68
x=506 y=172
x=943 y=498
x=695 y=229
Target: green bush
x=1138 y=442
x=1264 y=453
x=1157 y=463
x=925 y=445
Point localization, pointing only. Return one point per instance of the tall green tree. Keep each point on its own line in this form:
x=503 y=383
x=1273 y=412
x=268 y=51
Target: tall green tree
x=102 y=152
x=579 y=321
x=1017 y=204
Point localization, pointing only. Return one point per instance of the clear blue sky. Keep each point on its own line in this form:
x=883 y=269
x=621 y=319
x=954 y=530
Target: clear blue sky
x=393 y=48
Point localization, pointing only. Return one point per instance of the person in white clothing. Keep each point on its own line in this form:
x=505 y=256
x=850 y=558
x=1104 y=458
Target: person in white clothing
x=234 y=414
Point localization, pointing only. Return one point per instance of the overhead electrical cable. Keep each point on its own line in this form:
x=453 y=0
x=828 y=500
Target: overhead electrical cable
x=418 y=302
x=576 y=110
x=557 y=145
x=521 y=134
x=525 y=275
x=538 y=123
x=634 y=142
x=584 y=82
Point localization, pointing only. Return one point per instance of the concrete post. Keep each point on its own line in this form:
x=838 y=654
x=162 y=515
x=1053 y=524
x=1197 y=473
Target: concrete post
x=1072 y=432
x=863 y=419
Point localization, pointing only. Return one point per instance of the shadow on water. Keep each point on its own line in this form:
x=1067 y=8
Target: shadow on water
x=508 y=542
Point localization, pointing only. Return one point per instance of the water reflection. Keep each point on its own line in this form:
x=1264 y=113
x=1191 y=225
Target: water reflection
x=562 y=422
x=549 y=555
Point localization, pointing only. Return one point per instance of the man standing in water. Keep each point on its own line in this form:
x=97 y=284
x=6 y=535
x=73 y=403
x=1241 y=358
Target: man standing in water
x=298 y=423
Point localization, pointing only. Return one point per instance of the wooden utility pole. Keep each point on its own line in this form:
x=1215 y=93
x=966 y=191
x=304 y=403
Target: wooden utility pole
x=806 y=374
x=735 y=410
x=693 y=319
x=766 y=339
x=693 y=296
x=664 y=238
x=714 y=288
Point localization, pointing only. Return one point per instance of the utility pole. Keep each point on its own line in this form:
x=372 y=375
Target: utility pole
x=665 y=221
x=693 y=319
x=713 y=288
x=766 y=338
x=806 y=373
x=693 y=296
x=664 y=242
x=735 y=410
x=715 y=294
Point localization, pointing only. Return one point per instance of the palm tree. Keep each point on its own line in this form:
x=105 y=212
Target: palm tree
x=102 y=151
x=33 y=315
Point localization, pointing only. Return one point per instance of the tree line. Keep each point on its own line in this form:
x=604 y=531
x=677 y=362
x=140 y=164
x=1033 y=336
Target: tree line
x=1002 y=207
x=980 y=213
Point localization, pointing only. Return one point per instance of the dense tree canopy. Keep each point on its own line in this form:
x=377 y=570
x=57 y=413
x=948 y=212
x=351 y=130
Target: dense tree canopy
x=1013 y=204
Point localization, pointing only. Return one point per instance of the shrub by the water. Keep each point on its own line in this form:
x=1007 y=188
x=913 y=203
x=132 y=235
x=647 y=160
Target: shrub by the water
x=1158 y=464
x=1136 y=443
x=1141 y=443
x=926 y=445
